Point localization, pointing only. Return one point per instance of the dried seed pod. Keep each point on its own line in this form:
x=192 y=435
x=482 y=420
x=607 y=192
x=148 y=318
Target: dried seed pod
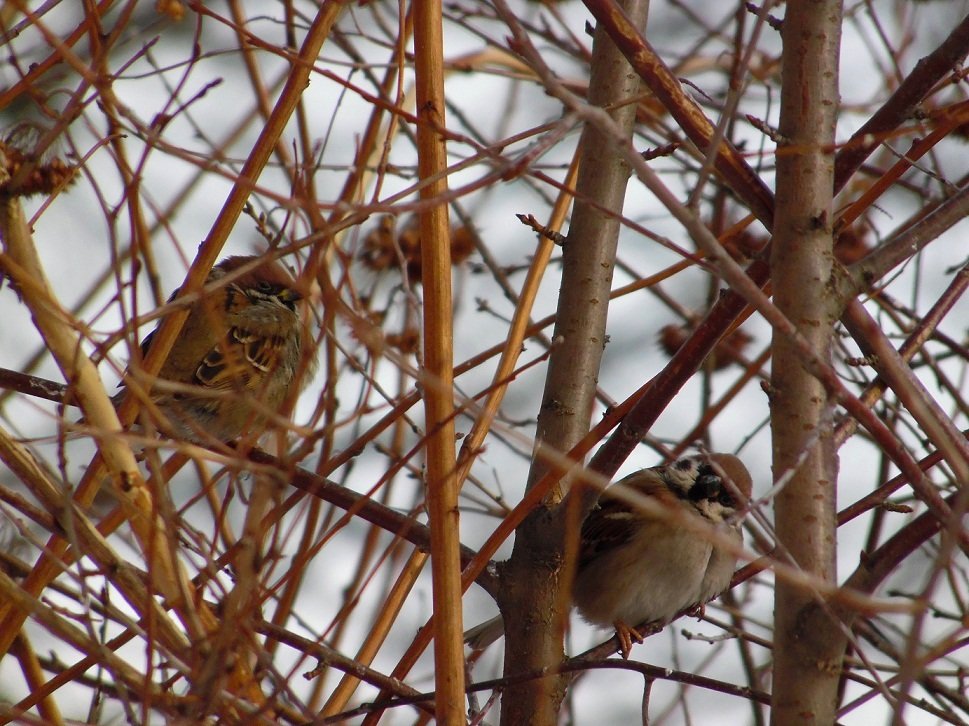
x=23 y=173
x=729 y=350
x=389 y=244
x=852 y=244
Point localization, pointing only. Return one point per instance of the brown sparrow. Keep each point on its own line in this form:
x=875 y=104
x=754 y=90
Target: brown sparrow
x=637 y=565
x=235 y=358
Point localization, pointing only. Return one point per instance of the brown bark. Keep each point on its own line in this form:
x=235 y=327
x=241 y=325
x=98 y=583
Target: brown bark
x=808 y=644
x=534 y=598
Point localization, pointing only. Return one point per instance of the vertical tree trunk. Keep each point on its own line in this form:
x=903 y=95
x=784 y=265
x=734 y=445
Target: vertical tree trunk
x=534 y=598
x=807 y=649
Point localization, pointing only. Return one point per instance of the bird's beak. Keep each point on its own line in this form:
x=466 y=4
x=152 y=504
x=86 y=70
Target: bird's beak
x=709 y=485
x=289 y=295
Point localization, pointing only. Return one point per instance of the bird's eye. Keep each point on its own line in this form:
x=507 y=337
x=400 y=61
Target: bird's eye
x=266 y=287
x=725 y=498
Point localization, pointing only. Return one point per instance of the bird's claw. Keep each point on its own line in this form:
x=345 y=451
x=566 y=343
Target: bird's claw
x=627 y=635
x=697 y=611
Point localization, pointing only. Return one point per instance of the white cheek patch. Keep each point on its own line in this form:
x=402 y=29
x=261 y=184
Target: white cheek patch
x=714 y=510
x=683 y=478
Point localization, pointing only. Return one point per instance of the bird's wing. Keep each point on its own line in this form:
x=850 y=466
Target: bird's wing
x=234 y=362
x=614 y=520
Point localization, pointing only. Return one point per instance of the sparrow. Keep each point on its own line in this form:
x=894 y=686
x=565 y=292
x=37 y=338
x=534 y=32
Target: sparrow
x=638 y=564
x=235 y=358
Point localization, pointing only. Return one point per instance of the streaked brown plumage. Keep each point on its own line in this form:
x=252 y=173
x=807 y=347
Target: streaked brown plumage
x=236 y=356
x=637 y=566
x=641 y=564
